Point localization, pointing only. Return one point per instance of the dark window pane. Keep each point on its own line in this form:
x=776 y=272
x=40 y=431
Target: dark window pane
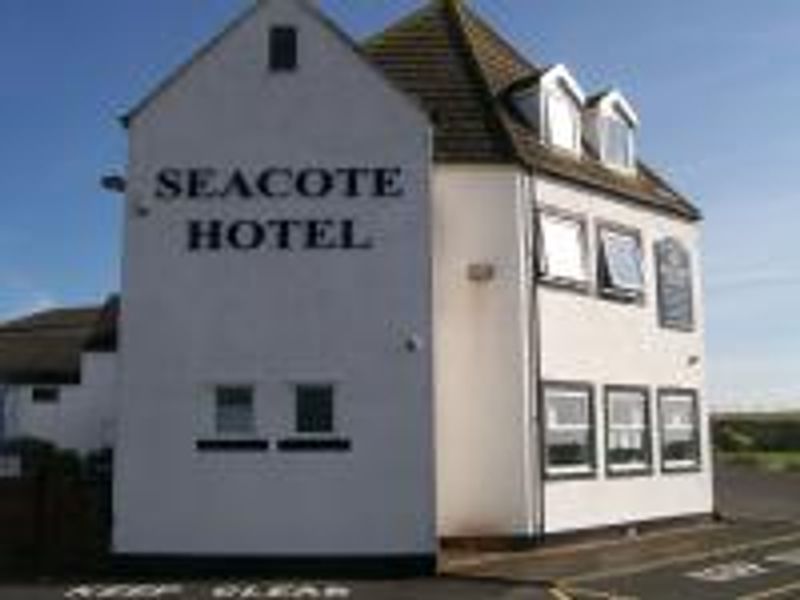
x=675 y=295
x=679 y=430
x=283 y=49
x=315 y=409
x=628 y=433
x=621 y=263
x=45 y=394
x=569 y=430
x=235 y=411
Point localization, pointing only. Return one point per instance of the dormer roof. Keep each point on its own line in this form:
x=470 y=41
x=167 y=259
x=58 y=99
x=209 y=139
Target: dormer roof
x=462 y=71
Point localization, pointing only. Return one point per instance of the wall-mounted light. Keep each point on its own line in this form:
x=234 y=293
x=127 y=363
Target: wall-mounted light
x=114 y=183
x=414 y=344
x=481 y=272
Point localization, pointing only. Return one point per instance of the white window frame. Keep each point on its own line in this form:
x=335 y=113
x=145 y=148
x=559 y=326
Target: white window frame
x=589 y=468
x=605 y=274
x=692 y=398
x=605 y=142
x=645 y=429
x=559 y=111
x=244 y=433
x=548 y=214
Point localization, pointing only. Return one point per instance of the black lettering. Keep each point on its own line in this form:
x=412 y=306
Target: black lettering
x=265 y=181
x=168 y=184
x=246 y=235
x=284 y=229
x=205 y=235
x=349 y=238
x=387 y=183
x=314 y=183
x=200 y=183
x=238 y=186
x=319 y=235
x=352 y=178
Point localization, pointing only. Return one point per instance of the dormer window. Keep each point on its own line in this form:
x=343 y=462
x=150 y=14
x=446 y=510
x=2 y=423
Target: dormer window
x=553 y=104
x=611 y=124
x=562 y=120
x=616 y=149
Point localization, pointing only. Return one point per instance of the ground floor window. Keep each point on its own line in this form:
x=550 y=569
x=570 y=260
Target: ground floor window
x=235 y=411
x=314 y=409
x=627 y=430
x=680 y=430
x=569 y=430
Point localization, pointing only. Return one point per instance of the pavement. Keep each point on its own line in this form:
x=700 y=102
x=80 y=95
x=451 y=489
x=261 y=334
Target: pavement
x=753 y=553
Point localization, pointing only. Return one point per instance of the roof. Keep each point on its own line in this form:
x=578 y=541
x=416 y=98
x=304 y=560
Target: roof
x=462 y=71
x=46 y=347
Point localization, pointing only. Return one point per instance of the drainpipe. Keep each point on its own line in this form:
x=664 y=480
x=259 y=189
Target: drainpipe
x=535 y=345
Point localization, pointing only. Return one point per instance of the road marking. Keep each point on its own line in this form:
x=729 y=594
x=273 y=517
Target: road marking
x=559 y=594
x=687 y=558
x=493 y=557
x=772 y=592
x=790 y=557
x=599 y=594
x=727 y=572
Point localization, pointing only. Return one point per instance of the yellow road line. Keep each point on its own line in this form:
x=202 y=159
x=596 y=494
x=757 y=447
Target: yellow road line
x=576 y=548
x=687 y=558
x=772 y=592
x=559 y=594
x=599 y=594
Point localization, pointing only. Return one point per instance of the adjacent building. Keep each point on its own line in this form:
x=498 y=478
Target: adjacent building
x=374 y=295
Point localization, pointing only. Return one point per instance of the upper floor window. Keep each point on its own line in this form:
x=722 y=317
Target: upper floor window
x=620 y=268
x=674 y=277
x=562 y=119
x=610 y=126
x=616 y=143
x=283 y=48
x=553 y=103
x=563 y=249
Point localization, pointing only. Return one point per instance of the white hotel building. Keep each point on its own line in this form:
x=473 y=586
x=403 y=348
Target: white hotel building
x=376 y=295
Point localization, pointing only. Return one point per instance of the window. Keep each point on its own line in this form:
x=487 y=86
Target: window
x=283 y=49
x=314 y=409
x=563 y=249
x=562 y=120
x=45 y=395
x=235 y=411
x=627 y=430
x=680 y=432
x=616 y=147
x=569 y=430
x=675 y=295
x=620 y=263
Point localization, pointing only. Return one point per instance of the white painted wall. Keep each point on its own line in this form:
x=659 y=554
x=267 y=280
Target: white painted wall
x=267 y=318
x=484 y=472
x=588 y=339
x=83 y=418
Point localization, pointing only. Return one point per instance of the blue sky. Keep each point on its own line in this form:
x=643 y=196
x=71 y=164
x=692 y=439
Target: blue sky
x=715 y=84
